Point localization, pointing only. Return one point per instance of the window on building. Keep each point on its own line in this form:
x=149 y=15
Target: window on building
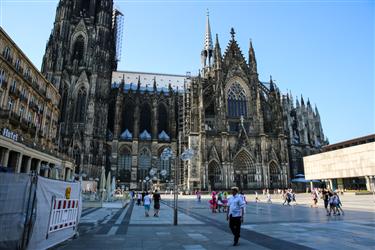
x=10 y=104
x=17 y=64
x=80 y=105
x=162 y=119
x=22 y=110
x=145 y=121
x=27 y=73
x=13 y=87
x=144 y=163
x=78 y=48
x=125 y=159
x=127 y=120
x=2 y=76
x=6 y=52
x=29 y=116
x=236 y=101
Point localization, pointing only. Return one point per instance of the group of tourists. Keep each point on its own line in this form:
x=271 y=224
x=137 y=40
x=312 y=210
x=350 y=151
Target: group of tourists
x=332 y=202
x=146 y=198
x=218 y=202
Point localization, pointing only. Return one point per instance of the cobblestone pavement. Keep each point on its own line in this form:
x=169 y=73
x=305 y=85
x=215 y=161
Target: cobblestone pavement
x=267 y=226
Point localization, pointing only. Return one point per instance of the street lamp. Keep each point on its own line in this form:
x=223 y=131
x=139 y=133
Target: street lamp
x=185 y=156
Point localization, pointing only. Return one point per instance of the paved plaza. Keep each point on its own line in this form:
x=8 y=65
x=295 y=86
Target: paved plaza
x=267 y=226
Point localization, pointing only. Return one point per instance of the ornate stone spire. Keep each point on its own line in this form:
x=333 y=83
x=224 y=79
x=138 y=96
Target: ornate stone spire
x=206 y=54
x=252 y=59
x=208 y=45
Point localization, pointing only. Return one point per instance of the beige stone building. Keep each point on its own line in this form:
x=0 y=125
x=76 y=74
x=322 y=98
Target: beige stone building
x=28 y=116
x=345 y=165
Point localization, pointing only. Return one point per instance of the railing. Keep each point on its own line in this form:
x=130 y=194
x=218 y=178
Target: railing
x=4 y=84
x=14 y=92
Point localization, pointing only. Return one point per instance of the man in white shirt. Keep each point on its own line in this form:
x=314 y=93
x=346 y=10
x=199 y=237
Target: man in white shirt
x=235 y=213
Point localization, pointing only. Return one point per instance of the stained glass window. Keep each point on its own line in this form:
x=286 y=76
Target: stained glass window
x=237 y=104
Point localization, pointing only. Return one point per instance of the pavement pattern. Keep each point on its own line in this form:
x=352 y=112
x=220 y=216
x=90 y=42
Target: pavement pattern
x=266 y=226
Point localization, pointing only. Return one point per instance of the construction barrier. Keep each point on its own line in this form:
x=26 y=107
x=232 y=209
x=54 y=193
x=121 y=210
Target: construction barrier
x=63 y=214
x=37 y=213
x=58 y=210
x=15 y=205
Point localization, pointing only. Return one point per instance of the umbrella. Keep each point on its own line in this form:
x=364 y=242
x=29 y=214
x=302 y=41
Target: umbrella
x=102 y=182
x=301 y=180
x=113 y=183
x=109 y=189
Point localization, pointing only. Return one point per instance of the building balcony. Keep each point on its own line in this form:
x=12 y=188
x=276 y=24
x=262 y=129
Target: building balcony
x=33 y=106
x=32 y=129
x=4 y=84
x=14 y=92
x=4 y=114
x=24 y=124
x=14 y=118
x=23 y=98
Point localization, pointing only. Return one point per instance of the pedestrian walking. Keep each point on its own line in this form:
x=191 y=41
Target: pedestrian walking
x=339 y=205
x=213 y=202
x=314 y=199
x=198 y=194
x=147 y=204
x=235 y=214
x=139 y=199
x=325 y=197
x=256 y=197
x=156 y=198
x=269 y=197
x=293 y=194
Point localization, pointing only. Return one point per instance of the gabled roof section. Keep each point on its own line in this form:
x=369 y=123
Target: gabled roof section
x=234 y=54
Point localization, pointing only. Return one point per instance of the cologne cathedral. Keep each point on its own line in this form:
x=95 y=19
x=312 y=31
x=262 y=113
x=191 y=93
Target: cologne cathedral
x=243 y=131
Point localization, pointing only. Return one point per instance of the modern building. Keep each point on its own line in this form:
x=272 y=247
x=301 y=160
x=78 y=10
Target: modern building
x=345 y=165
x=244 y=132
x=28 y=116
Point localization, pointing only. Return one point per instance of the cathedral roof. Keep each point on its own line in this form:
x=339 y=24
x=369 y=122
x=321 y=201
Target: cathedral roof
x=147 y=79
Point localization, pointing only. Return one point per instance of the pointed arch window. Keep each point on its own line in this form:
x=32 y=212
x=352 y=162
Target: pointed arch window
x=145 y=119
x=78 y=48
x=162 y=119
x=80 y=105
x=236 y=101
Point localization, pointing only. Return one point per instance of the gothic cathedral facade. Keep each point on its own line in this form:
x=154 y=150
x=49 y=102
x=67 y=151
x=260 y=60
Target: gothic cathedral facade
x=244 y=132
x=79 y=60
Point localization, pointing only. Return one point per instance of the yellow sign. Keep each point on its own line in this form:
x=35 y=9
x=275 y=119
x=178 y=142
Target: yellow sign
x=67 y=192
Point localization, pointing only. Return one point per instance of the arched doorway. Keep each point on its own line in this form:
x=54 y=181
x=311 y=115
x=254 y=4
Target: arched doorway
x=275 y=175
x=214 y=175
x=244 y=171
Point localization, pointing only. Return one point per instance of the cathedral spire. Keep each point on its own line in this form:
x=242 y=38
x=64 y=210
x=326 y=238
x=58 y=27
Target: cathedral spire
x=316 y=111
x=206 y=54
x=252 y=59
x=272 y=87
x=208 y=37
x=302 y=101
x=217 y=54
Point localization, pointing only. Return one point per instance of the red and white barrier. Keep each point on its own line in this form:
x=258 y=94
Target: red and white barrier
x=63 y=214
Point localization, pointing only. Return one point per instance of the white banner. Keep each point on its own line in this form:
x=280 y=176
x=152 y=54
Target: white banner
x=58 y=210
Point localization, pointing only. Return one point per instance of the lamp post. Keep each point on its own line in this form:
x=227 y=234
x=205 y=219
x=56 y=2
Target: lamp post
x=185 y=156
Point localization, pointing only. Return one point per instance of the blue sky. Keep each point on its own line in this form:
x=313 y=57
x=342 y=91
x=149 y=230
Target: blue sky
x=321 y=49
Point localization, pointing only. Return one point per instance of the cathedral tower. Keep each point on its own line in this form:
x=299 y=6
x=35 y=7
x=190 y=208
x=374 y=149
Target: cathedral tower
x=79 y=59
